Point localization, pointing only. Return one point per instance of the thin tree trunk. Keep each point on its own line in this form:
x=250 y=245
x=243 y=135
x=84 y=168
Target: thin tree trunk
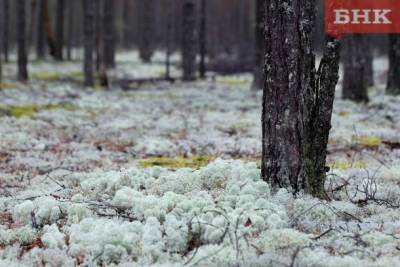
x=146 y=12
x=60 y=29
x=71 y=12
x=88 y=35
x=393 y=85
x=369 y=62
x=21 y=27
x=354 y=61
x=98 y=32
x=203 y=41
x=168 y=39
x=1 y=40
x=109 y=33
x=259 y=43
x=297 y=100
x=189 y=41
x=40 y=38
x=49 y=30
x=126 y=27
x=6 y=28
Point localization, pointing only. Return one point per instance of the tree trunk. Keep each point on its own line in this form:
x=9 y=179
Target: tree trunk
x=49 y=30
x=126 y=21
x=40 y=38
x=297 y=100
x=98 y=31
x=88 y=36
x=6 y=28
x=109 y=34
x=60 y=29
x=203 y=41
x=259 y=43
x=146 y=11
x=1 y=40
x=168 y=38
x=21 y=40
x=189 y=41
x=71 y=12
x=354 y=61
x=369 y=62
x=393 y=85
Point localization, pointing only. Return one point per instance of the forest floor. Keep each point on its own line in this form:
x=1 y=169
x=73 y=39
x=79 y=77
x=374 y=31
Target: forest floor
x=167 y=175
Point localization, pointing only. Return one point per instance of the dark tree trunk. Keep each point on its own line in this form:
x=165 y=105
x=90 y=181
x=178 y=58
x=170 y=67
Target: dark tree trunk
x=60 y=29
x=354 y=61
x=51 y=41
x=168 y=38
x=88 y=36
x=71 y=12
x=369 y=62
x=1 y=40
x=393 y=85
x=6 y=28
x=203 y=41
x=98 y=32
x=126 y=27
x=297 y=100
x=109 y=34
x=21 y=40
x=40 y=38
x=259 y=43
x=146 y=13
x=189 y=41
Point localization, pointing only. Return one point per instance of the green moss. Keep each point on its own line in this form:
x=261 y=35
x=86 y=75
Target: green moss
x=343 y=165
x=29 y=110
x=46 y=76
x=7 y=86
x=194 y=162
x=232 y=81
x=367 y=140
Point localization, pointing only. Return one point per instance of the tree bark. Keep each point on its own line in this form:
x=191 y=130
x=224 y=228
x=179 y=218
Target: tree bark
x=21 y=39
x=393 y=84
x=71 y=12
x=49 y=30
x=203 y=39
x=40 y=38
x=354 y=61
x=259 y=43
x=60 y=29
x=146 y=12
x=88 y=36
x=297 y=99
x=109 y=34
x=6 y=28
x=1 y=40
x=169 y=38
x=189 y=41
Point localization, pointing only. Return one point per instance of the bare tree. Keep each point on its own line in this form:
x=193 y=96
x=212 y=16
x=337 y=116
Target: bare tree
x=21 y=36
x=259 y=43
x=355 y=61
x=88 y=32
x=109 y=33
x=5 y=31
x=393 y=84
x=203 y=39
x=146 y=12
x=1 y=41
x=70 y=24
x=40 y=37
x=189 y=41
x=60 y=29
x=297 y=100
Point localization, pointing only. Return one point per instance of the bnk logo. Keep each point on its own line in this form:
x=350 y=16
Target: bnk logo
x=362 y=16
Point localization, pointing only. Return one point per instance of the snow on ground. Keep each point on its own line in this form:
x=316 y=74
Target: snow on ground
x=73 y=189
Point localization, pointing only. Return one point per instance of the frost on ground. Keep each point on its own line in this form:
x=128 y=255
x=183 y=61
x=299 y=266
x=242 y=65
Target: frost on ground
x=78 y=183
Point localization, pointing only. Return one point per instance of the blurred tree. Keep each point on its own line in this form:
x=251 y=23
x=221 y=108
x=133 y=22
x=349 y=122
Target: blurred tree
x=189 y=41
x=40 y=38
x=203 y=38
x=109 y=33
x=60 y=28
x=21 y=35
x=259 y=44
x=297 y=100
x=369 y=62
x=1 y=40
x=355 y=61
x=89 y=39
x=145 y=11
x=393 y=84
x=5 y=30
x=70 y=24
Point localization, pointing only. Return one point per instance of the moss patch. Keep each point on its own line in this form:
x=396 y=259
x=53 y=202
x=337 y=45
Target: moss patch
x=46 y=76
x=194 y=162
x=7 y=86
x=29 y=110
x=232 y=81
x=343 y=165
x=371 y=141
